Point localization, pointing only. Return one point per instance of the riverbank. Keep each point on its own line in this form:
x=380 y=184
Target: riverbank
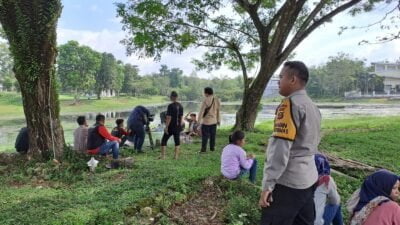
x=11 y=104
x=30 y=191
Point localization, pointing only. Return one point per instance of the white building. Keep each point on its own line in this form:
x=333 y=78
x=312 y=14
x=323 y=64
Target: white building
x=272 y=89
x=391 y=74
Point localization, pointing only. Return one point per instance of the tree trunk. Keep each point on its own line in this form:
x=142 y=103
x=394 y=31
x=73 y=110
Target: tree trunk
x=32 y=36
x=247 y=113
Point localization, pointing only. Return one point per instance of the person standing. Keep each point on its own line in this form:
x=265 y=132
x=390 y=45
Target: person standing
x=173 y=125
x=80 y=135
x=209 y=118
x=137 y=121
x=290 y=173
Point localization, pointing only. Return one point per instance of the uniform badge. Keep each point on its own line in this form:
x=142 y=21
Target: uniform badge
x=284 y=126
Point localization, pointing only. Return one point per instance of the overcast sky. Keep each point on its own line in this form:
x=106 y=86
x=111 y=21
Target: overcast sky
x=94 y=23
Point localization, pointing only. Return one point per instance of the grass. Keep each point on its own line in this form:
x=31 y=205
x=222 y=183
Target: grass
x=11 y=104
x=67 y=194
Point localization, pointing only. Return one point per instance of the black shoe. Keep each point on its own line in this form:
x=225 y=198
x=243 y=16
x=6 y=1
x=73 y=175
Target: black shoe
x=212 y=149
x=140 y=152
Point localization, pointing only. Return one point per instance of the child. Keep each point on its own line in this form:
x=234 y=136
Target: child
x=234 y=162
x=326 y=197
x=119 y=131
x=80 y=135
x=375 y=203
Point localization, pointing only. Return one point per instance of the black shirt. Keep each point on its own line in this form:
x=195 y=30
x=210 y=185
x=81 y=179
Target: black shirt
x=175 y=111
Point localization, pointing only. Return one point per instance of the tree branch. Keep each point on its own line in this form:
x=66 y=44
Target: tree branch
x=285 y=25
x=252 y=11
x=299 y=37
x=205 y=30
x=241 y=31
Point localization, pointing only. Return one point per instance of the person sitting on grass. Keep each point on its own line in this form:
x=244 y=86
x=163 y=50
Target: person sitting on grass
x=119 y=131
x=80 y=135
x=326 y=197
x=234 y=161
x=100 y=139
x=193 y=124
x=376 y=202
x=22 y=141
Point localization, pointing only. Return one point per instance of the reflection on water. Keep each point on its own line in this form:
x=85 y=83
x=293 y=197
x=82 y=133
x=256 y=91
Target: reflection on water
x=9 y=128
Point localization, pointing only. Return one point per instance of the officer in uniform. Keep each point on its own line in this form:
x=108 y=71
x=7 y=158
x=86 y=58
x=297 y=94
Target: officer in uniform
x=290 y=173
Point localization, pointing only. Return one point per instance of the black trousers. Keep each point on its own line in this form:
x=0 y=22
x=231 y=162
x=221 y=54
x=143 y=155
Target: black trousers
x=290 y=207
x=208 y=132
x=174 y=131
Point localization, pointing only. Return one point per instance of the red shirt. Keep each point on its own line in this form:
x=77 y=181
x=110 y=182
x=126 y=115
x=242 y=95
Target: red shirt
x=105 y=134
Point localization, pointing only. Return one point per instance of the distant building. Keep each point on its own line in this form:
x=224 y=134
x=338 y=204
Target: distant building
x=272 y=89
x=391 y=74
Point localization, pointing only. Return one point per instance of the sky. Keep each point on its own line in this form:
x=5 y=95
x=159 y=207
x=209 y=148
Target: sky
x=94 y=23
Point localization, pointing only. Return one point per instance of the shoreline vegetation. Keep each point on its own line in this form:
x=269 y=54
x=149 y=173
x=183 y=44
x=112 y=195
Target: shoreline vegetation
x=154 y=190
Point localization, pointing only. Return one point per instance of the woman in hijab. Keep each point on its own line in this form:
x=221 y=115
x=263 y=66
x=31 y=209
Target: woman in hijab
x=326 y=197
x=376 y=200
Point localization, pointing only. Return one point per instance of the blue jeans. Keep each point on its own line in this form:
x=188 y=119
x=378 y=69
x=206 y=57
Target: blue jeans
x=252 y=172
x=333 y=215
x=110 y=145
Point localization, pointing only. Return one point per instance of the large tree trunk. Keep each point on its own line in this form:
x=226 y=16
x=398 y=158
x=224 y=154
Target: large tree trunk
x=247 y=113
x=32 y=36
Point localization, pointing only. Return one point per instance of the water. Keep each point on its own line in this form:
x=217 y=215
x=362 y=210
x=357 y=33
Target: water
x=9 y=127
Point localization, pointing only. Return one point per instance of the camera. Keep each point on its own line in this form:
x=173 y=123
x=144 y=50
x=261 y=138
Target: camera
x=151 y=117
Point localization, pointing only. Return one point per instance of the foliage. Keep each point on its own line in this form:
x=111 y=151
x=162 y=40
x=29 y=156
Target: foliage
x=7 y=76
x=342 y=74
x=240 y=34
x=106 y=75
x=77 y=67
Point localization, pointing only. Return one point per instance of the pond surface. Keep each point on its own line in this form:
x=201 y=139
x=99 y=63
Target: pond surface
x=9 y=127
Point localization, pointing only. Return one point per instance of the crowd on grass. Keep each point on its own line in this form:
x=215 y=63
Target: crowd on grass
x=297 y=187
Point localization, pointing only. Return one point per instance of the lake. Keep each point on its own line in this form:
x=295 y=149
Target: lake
x=9 y=127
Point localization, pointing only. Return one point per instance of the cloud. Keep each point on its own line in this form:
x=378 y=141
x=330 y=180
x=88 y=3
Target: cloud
x=95 y=8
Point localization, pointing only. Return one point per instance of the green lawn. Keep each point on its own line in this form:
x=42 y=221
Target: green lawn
x=11 y=104
x=68 y=195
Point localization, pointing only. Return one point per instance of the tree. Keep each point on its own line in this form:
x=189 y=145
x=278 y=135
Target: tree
x=256 y=32
x=119 y=77
x=108 y=71
x=77 y=67
x=339 y=75
x=131 y=74
x=7 y=76
x=30 y=28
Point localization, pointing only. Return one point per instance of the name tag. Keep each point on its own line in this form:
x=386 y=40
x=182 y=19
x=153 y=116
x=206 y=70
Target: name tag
x=284 y=126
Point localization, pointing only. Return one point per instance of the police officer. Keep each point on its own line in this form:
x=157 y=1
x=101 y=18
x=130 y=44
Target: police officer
x=137 y=121
x=290 y=173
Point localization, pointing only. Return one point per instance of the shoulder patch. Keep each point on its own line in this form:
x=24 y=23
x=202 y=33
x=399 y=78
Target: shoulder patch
x=284 y=126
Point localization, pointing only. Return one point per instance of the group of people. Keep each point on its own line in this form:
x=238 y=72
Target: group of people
x=297 y=187
x=98 y=140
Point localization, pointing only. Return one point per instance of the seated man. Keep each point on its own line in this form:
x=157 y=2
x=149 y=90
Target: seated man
x=98 y=136
x=80 y=135
x=193 y=124
x=22 y=141
x=119 y=131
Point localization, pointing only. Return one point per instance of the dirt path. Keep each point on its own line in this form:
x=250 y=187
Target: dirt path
x=204 y=208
